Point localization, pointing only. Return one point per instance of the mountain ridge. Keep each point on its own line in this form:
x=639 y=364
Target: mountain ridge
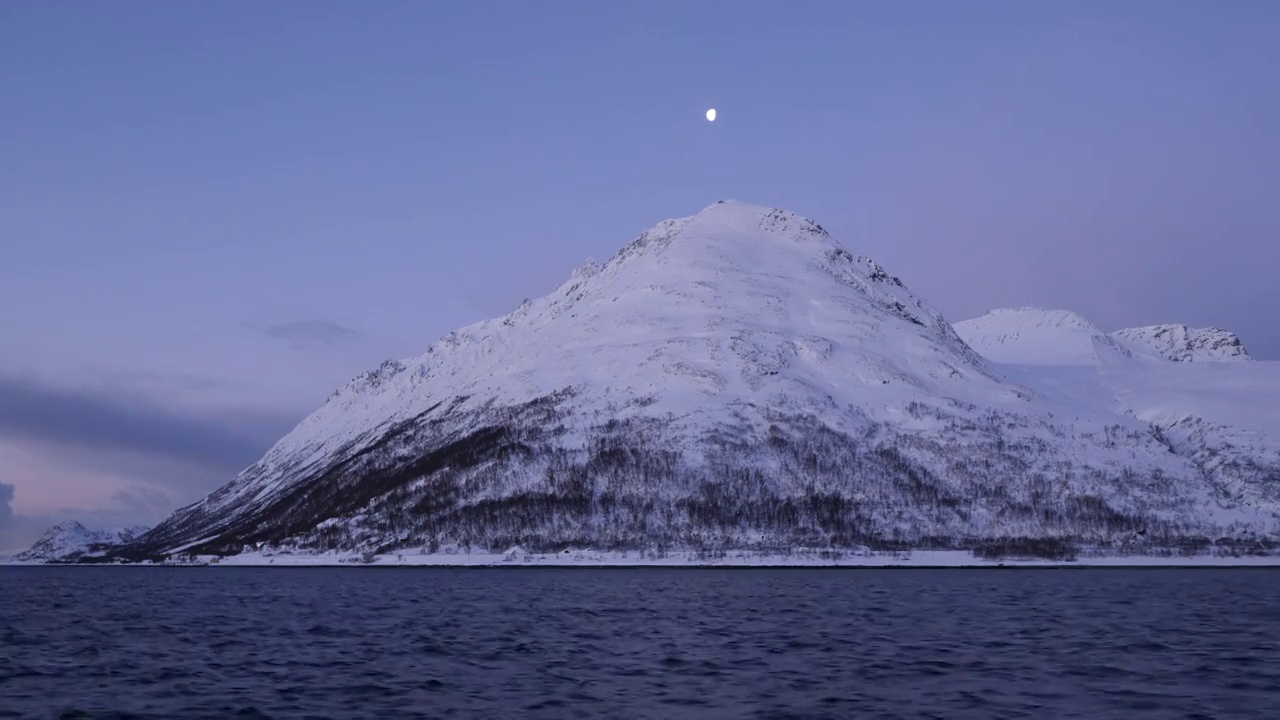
x=70 y=541
x=1186 y=344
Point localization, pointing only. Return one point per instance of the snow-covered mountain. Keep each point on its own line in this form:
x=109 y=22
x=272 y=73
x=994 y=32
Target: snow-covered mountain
x=735 y=379
x=69 y=541
x=1033 y=336
x=1184 y=344
x=1221 y=415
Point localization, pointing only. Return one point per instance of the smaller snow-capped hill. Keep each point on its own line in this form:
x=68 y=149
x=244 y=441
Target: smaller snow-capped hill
x=1219 y=415
x=1033 y=336
x=1180 y=343
x=69 y=541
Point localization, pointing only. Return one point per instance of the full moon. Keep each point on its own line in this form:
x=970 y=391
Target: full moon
x=711 y=115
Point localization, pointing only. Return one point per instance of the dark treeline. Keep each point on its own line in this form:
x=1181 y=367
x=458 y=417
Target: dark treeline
x=514 y=479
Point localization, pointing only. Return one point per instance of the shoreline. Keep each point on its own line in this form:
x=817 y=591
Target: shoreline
x=919 y=559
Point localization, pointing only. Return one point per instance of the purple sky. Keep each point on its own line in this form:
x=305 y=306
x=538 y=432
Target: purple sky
x=212 y=214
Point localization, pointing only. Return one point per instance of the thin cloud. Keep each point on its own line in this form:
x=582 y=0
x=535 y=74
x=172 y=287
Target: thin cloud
x=129 y=507
x=173 y=458
x=6 y=503
x=16 y=531
x=307 y=333
x=88 y=419
x=164 y=381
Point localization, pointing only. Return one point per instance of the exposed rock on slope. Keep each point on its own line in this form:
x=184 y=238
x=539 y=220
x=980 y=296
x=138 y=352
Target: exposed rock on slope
x=732 y=379
x=1183 y=344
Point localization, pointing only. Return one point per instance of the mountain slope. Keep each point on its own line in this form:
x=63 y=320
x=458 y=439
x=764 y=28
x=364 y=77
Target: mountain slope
x=1184 y=344
x=69 y=541
x=732 y=379
x=1221 y=415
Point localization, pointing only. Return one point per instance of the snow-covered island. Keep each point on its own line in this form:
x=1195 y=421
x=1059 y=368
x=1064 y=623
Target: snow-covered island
x=737 y=387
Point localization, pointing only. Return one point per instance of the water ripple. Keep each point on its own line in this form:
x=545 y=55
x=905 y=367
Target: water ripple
x=544 y=643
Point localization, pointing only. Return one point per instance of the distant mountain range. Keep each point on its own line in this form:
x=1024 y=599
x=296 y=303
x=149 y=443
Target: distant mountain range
x=71 y=542
x=740 y=380
x=1183 y=344
x=1060 y=337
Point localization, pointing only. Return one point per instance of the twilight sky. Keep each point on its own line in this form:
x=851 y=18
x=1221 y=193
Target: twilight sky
x=213 y=214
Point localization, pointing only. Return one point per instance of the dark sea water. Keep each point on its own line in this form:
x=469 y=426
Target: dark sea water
x=644 y=643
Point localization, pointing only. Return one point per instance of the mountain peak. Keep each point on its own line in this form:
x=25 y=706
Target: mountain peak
x=746 y=218
x=1031 y=315
x=726 y=225
x=741 y=222
x=68 y=526
x=69 y=540
x=733 y=273
x=1038 y=336
x=1186 y=344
